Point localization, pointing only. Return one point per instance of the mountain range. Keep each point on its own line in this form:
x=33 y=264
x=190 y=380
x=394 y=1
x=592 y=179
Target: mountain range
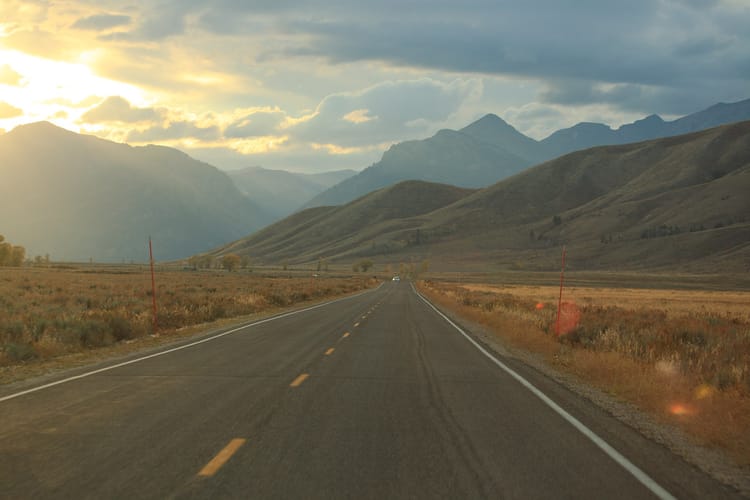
x=79 y=197
x=280 y=192
x=677 y=203
x=490 y=149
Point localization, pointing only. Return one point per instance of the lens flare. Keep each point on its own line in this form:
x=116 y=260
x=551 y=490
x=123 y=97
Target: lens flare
x=570 y=317
x=681 y=410
x=704 y=391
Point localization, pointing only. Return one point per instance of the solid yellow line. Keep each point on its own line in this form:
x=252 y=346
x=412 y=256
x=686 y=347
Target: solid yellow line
x=329 y=351
x=221 y=458
x=298 y=381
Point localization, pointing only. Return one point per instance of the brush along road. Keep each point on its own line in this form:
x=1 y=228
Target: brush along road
x=374 y=396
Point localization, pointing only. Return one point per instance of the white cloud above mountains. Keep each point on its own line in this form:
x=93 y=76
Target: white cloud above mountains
x=275 y=81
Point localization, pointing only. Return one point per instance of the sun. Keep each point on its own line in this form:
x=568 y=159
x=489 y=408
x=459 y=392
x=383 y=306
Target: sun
x=57 y=91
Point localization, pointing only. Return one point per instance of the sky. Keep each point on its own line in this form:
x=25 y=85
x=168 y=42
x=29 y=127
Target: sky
x=312 y=85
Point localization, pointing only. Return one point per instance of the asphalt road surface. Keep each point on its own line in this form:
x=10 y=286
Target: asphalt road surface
x=374 y=396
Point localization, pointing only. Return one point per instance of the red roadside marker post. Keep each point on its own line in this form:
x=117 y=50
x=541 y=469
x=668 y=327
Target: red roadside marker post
x=153 y=281
x=559 y=300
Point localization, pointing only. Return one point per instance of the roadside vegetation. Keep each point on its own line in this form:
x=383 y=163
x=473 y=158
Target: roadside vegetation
x=11 y=255
x=48 y=313
x=683 y=356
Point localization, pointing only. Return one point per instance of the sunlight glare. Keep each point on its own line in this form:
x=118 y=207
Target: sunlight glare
x=48 y=84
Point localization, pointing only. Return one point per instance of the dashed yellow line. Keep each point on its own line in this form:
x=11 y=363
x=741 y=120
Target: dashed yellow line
x=298 y=381
x=345 y=335
x=329 y=351
x=356 y=325
x=221 y=458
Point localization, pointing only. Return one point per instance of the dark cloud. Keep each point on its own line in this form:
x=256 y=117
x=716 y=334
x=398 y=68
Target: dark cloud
x=102 y=22
x=118 y=109
x=636 y=46
x=647 y=99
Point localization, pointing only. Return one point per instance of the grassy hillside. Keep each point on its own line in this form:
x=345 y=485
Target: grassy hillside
x=334 y=232
x=671 y=204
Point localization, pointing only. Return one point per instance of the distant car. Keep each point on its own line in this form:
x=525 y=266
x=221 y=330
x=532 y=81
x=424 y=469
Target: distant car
x=396 y=278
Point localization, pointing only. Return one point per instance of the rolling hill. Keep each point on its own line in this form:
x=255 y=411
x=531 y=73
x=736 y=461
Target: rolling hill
x=490 y=150
x=321 y=232
x=78 y=197
x=672 y=203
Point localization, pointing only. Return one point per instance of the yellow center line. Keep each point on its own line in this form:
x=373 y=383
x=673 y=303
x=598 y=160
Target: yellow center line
x=356 y=325
x=329 y=351
x=345 y=335
x=298 y=381
x=221 y=458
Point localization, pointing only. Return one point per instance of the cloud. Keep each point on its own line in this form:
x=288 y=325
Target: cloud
x=174 y=131
x=257 y=124
x=157 y=22
x=9 y=76
x=8 y=111
x=117 y=109
x=101 y=22
x=387 y=112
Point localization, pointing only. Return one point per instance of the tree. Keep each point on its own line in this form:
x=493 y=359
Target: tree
x=365 y=265
x=17 y=256
x=5 y=250
x=230 y=261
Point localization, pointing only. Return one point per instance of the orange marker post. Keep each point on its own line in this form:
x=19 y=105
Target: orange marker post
x=153 y=281
x=559 y=300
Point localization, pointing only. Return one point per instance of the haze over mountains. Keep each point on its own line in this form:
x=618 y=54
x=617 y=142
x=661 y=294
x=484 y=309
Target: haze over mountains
x=672 y=203
x=279 y=192
x=489 y=150
x=79 y=197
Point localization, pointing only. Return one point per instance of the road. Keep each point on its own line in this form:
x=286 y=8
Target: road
x=375 y=396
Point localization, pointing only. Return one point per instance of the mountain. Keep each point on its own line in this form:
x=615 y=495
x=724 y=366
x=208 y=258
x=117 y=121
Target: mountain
x=279 y=192
x=586 y=135
x=78 y=197
x=479 y=155
x=677 y=203
x=327 y=231
x=490 y=149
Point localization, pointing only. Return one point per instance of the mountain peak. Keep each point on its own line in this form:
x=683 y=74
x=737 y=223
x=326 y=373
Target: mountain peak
x=42 y=127
x=489 y=122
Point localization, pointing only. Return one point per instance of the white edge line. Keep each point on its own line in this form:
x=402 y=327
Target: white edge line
x=162 y=353
x=615 y=455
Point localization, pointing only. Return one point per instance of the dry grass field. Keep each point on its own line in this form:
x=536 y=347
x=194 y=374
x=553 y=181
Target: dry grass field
x=49 y=313
x=683 y=356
